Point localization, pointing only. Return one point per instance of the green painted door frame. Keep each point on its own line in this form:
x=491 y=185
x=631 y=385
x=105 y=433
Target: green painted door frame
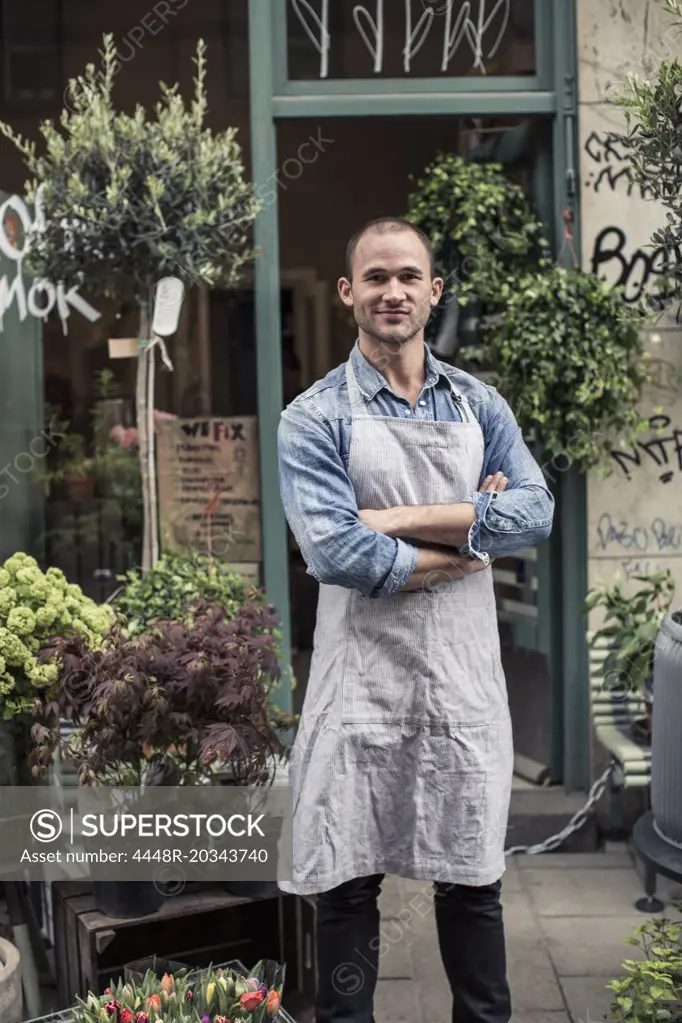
x=550 y=93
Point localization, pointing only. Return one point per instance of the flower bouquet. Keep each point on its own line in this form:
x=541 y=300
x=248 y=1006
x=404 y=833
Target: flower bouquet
x=213 y=995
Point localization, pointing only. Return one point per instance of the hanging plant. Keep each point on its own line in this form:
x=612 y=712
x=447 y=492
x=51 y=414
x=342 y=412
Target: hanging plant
x=480 y=224
x=570 y=356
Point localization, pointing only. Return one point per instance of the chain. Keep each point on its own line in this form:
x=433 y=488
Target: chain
x=576 y=822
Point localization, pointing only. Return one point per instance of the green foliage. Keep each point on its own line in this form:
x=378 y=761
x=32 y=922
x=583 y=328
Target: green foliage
x=631 y=625
x=130 y=198
x=651 y=990
x=570 y=359
x=480 y=223
x=174 y=584
x=653 y=145
x=566 y=351
x=34 y=607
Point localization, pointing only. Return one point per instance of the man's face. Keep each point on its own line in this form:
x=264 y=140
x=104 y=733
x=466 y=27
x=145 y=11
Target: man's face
x=391 y=292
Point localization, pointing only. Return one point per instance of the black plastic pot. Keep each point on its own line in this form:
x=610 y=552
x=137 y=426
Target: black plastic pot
x=126 y=899
x=666 y=739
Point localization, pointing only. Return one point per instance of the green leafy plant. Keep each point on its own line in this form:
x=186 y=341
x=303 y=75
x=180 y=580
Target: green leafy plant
x=34 y=607
x=651 y=990
x=178 y=580
x=481 y=226
x=569 y=359
x=631 y=625
x=128 y=199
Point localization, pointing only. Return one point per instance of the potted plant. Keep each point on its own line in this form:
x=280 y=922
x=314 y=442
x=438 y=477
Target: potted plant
x=35 y=606
x=213 y=995
x=11 y=999
x=127 y=199
x=651 y=989
x=177 y=581
x=569 y=357
x=484 y=234
x=167 y=707
x=630 y=627
x=666 y=739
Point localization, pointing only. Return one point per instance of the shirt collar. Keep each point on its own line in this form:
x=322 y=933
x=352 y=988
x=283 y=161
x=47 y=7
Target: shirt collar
x=370 y=380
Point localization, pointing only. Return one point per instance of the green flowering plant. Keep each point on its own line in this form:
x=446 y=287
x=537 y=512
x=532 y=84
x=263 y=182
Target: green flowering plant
x=213 y=995
x=34 y=607
x=174 y=584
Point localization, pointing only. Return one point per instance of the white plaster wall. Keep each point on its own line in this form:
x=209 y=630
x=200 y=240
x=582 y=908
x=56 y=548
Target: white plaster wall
x=634 y=516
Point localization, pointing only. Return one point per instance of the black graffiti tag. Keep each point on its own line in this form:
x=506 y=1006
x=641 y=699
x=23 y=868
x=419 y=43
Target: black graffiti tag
x=635 y=272
x=664 y=451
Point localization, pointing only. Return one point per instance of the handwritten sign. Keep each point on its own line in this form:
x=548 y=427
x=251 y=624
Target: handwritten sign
x=479 y=25
x=43 y=296
x=209 y=492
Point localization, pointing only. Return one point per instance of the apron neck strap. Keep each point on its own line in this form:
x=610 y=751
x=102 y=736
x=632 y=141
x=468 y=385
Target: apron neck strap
x=358 y=406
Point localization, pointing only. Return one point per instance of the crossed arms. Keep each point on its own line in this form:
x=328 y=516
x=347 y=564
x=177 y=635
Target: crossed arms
x=369 y=550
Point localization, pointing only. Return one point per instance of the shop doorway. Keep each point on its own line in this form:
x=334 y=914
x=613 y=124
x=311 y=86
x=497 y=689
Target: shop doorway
x=367 y=169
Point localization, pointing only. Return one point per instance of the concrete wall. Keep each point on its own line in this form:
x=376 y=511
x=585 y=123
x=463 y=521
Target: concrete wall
x=635 y=516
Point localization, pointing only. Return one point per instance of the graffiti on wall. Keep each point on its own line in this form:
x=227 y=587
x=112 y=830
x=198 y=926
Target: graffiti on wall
x=663 y=451
x=614 y=256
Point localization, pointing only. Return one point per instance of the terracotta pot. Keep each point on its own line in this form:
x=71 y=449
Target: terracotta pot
x=80 y=489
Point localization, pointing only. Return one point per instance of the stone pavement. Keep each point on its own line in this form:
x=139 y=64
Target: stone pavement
x=566 y=919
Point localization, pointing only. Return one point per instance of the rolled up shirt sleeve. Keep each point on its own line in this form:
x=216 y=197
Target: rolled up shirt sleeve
x=321 y=509
x=521 y=516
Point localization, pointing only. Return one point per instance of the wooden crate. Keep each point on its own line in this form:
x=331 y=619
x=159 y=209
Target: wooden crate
x=197 y=927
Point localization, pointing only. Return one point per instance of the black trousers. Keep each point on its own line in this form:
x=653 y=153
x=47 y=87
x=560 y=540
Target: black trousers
x=470 y=935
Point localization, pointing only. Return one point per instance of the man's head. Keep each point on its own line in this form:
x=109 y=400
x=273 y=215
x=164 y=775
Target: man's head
x=390 y=283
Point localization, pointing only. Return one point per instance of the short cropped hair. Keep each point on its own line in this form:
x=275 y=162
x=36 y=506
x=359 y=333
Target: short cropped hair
x=382 y=224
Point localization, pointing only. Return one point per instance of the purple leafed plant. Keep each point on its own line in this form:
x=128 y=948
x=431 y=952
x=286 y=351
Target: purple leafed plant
x=168 y=704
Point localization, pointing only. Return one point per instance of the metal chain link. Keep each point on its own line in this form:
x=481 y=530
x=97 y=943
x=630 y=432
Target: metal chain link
x=576 y=822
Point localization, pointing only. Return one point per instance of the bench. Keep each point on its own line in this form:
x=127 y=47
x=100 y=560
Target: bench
x=613 y=715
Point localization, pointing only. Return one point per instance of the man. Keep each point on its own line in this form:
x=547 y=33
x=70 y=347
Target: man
x=401 y=478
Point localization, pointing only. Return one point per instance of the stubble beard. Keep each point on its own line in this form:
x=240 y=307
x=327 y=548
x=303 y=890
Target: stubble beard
x=413 y=326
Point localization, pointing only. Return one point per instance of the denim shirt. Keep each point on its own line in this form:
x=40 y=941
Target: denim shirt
x=319 y=500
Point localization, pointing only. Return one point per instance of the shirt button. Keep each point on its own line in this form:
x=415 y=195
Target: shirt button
x=422 y=402
x=408 y=412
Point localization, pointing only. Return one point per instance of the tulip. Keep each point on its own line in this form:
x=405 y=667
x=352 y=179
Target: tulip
x=142 y=1017
x=112 y=1007
x=189 y=996
x=221 y=1019
x=167 y=983
x=272 y=1002
x=127 y=1016
x=108 y=991
x=250 y=1000
x=154 y=1002
x=205 y=1019
x=210 y=991
x=253 y=984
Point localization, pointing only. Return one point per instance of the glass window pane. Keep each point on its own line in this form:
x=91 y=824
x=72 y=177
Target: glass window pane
x=418 y=39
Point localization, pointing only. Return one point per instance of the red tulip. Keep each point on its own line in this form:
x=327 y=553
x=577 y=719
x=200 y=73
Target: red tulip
x=111 y=1007
x=250 y=1000
x=142 y=1017
x=108 y=991
x=127 y=1016
x=154 y=1002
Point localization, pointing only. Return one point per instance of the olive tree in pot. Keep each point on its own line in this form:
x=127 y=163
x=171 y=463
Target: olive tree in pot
x=666 y=755
x=11 y=1001
x=125 y=200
